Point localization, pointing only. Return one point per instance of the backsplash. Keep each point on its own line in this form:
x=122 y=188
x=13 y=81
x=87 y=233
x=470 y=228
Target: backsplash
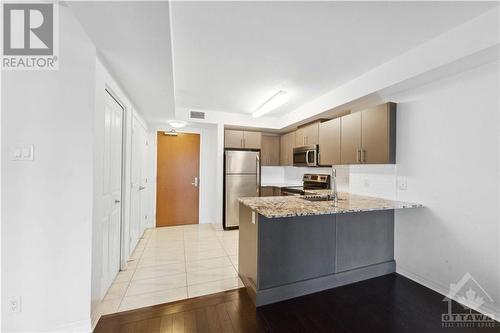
x=293 y=175
x=374 y=180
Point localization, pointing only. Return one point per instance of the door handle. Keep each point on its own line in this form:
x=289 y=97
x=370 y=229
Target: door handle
x=117 y=201
x=142 y=187
x=257 y=171
x=195 y=182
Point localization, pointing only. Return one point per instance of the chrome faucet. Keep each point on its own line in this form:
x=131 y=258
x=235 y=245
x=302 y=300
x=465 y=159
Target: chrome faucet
x=333 y=186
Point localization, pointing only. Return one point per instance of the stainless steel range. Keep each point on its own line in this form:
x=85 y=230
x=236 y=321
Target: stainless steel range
x=310 y=182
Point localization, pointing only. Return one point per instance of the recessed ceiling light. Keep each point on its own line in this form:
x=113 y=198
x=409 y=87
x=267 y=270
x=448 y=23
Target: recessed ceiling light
x=177 y=123
x=278 y=99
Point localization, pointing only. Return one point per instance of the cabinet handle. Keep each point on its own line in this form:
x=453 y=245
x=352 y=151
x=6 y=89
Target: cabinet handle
x=241 y=143
x=358 y=154
x=363 y=156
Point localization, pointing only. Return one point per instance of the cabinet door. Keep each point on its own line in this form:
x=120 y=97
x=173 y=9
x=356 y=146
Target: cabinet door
x=300 y=137
x=233 y=139
x=329 y=142
x=287 y=142
x=350 y=138
x=276 y=191
x=283 y=149
x=252 y=140
x=266 y=191
x=312 y=134
x=291 y=145
x=270 y=150
x=376 y=135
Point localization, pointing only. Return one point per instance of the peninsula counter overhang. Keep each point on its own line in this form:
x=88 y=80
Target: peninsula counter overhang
x=290 y=206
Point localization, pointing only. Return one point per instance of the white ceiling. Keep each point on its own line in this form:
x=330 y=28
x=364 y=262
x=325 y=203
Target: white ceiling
x=133 y=39
x=232 y=56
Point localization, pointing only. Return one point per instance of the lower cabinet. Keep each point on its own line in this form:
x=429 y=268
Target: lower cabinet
x=270 y=191
x=266 y=191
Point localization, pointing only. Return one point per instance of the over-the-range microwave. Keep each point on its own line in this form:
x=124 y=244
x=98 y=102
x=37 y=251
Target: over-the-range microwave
x=305 y=156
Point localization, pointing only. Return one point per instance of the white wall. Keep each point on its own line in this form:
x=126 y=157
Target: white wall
x=448 y=151
x=209 y=178
x=47 y=203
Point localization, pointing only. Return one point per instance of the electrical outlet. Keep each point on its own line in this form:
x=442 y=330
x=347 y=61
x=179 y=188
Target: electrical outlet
x=366 y=183
x=14 y=304
x=402 y=184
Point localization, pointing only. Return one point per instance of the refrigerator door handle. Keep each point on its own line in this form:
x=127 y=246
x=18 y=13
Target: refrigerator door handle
x=257 y=172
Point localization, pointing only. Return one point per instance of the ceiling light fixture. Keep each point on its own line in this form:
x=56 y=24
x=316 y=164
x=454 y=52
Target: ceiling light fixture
x=177 y=123
x=278 y=99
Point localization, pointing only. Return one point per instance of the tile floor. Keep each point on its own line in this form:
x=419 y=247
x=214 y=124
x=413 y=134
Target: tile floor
x=174 y=263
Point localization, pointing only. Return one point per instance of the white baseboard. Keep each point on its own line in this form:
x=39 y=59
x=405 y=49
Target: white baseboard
x=82 y=326
x=444 y=290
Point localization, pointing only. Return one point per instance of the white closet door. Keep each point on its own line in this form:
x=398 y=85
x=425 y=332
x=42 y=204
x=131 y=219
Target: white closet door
x=112 y=190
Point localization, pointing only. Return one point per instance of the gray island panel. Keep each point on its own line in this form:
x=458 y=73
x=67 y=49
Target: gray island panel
x=364 y=239
x=295 y=249
x=282 y=258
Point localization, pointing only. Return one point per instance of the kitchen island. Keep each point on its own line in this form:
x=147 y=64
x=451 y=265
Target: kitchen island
x=290 y=246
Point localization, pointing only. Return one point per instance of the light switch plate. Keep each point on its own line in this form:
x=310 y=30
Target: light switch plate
x=23 y=153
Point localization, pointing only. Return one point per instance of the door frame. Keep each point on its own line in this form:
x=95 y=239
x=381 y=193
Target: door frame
x=144 y=170
x=124 y=203
x=155 y=162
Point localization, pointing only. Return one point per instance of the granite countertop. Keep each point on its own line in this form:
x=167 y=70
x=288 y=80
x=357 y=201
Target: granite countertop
x=289 y=206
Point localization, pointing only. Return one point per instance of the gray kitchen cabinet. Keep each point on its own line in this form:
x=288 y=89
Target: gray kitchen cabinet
x=242 y=139
x=287 y=142
x=270 y=150
x=266 y=191
x=350 y=138
x=252 y=140
x=307 y=135
x=329 y=142
x=378 y=134
x=233 y=139
x=369 y=136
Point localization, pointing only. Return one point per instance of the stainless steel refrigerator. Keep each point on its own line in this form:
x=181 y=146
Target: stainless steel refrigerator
x=241 y=179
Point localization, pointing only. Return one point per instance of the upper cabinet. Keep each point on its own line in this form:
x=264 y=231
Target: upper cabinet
x=242 y=139
x=369 y=136
x=350 y=138
x=233 y=139
x=307 y=135
x=252 y=140
x=270 y=150
x=329 y=142
x=287 y=142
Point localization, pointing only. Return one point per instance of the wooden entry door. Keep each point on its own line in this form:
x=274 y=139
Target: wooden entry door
x=177 y=187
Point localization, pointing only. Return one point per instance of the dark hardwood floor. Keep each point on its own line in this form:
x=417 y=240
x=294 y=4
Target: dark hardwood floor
x=391 y=303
